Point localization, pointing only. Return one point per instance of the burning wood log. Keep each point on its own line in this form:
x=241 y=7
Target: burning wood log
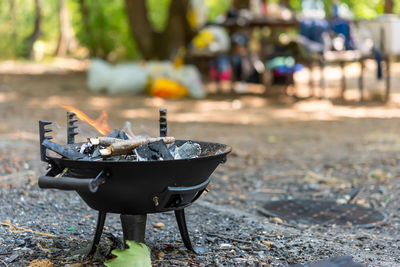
x=104 y=140
x=126 y=146
x=63 y=150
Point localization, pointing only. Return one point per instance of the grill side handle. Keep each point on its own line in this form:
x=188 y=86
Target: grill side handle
x=181 y=197
x=69 y=183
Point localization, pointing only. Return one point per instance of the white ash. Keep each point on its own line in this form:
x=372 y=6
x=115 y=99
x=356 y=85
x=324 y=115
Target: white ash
x=84 y=146
x=128 y=130
x=188 y=150
x=219 y=152
x=172 y=150
x=139 y=158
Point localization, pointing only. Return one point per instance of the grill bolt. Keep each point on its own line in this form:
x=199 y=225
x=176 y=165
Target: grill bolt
x=155 y=200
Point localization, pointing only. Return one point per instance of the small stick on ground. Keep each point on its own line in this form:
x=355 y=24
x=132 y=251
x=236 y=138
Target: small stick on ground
x=231 y=239
x=266 y=212
x=5 y=264
x=26 y=229
x=354 y=198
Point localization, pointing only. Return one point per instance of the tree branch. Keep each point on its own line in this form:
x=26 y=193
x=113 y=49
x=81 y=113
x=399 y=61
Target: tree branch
x=178 y=31
x=37 y=30
x=160 y=45
x=388 y=6
x=140 y=26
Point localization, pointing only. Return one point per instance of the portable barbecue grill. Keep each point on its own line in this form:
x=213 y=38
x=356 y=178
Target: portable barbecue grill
x=132 y=188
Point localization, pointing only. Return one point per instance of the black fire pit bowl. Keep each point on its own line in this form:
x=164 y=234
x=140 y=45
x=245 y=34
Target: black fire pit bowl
x=133 y=188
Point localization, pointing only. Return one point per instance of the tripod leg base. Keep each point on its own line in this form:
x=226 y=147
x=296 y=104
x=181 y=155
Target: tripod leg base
x=134 y=227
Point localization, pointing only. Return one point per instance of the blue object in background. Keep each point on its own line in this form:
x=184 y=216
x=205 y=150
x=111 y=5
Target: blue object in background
x=378 y=58
x=284 y=70
x=341 y=26
x=313 y=29
x=284 y=65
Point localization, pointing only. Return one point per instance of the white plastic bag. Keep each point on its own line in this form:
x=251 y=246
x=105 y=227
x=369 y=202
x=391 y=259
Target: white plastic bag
x=128 y=78
x=122 y=78
x=99 y=75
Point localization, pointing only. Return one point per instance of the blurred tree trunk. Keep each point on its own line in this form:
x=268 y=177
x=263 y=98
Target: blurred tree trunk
x=37 y=31
x=86 y=22
x=285 y=3
x=63 y=40
x=159 y=45
x=66 y=41
x=13 y=15
x=241 y=4
x=388 y=6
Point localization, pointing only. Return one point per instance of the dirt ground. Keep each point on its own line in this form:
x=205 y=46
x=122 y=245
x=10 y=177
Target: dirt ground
x=281 y=150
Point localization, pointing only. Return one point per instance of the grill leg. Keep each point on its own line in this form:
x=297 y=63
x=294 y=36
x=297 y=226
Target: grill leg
x=133 y=227
x=99 y=230
x=180 y=219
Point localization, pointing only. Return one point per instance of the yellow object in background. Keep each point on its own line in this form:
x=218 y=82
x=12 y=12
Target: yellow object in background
x=179 y=59
x=203 y=39
x=167 y=88
x=191 y=17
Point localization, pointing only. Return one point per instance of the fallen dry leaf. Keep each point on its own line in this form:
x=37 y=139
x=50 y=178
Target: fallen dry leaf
x=277 y=220
x=269 y=244
x=160 y=255
x=159 y=225
x=242 y=197
x=41 y=263
x=8 y=169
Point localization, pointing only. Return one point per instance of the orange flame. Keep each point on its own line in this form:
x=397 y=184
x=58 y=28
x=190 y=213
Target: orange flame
x=100 y=124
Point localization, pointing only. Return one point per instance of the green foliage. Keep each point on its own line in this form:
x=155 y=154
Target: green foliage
x=295 y=4
x=137 y=255
x=217 y=7
x=365 y=9
x=396 y=7
x=14 y=27
x=158 y=13
x=108 y=34
x=362 y=9
x=16 y=24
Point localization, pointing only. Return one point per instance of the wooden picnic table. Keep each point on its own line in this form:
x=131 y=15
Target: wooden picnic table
x=329 y=57
x=342 y=58
x=256 y=22
x=234 y=25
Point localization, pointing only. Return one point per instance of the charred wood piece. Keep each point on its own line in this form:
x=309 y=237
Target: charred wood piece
x=126 y=146
x=96 y=153
x=63 y=150
x=154 y=151
x=118 y=134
